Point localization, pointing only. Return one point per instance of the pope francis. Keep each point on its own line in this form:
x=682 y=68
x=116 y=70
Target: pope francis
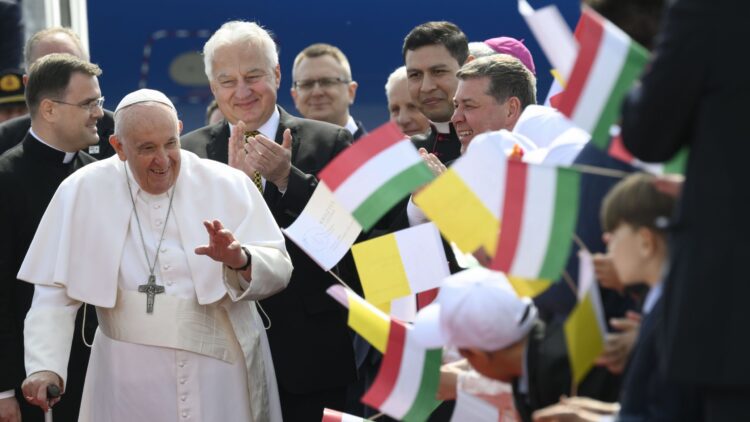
x=174 y=251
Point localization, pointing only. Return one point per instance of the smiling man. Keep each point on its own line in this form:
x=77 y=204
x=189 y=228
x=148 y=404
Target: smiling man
x=323 y=88
x=282 y=158
x=433 y=52
x=179 y=337
x=42 y=43
x=491 y=95
x=403 y=110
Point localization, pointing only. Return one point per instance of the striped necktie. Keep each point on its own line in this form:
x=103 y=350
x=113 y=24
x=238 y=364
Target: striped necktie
x=256 y=176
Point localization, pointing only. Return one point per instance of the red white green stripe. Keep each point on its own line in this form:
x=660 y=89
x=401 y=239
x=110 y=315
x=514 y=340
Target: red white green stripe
x=608 y=62
x=540 y=211
x=375 y=173
x=408 y=379
x=676 y=165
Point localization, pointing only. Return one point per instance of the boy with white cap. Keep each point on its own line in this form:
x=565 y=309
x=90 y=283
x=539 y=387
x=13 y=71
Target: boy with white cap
x=500 y=335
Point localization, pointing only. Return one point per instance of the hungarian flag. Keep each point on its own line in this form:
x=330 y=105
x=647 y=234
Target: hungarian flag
x=409 y=375
x=608 y=63
x=371 y=176
x=676 y=165
x=408 y=379
x=539 y=216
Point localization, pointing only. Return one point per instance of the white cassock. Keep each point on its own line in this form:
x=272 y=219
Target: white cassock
x=202 y=355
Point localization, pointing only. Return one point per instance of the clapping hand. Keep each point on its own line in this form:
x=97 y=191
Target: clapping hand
x=273 y=161
x=237 y=149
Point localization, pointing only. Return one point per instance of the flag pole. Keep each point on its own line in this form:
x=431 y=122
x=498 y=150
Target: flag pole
x=569 y=281
x=600 y=171
x=339 y=280
x=580 y=243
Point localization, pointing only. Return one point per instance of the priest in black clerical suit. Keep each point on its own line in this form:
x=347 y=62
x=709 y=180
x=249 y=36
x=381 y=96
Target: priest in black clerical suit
x=12 y=132
x=29 y=175
x=441 y=140
x=65 y=103
x=310 y=344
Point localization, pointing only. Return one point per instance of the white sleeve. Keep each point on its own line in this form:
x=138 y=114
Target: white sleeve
x=48 y=331
x=415 y=214
x=269 y=266
x=7 y=394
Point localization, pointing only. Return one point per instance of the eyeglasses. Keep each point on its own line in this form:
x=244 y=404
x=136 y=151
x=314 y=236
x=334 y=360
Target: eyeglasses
x=323 y=83
x=90 y=106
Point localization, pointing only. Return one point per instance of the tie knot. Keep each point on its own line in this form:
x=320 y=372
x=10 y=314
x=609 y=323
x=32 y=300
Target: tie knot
x=250 y=133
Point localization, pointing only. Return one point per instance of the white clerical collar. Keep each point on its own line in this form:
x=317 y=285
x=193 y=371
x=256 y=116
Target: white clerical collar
x=351 y=125
x=269 y=128
x=442 y=127
x=652 y=297
x=68 y=155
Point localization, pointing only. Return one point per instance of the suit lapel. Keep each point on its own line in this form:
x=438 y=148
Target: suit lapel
x=360 y=131
x=218 y=146
x=286 y=121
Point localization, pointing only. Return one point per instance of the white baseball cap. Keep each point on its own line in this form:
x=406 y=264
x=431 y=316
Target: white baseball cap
x=476 y=308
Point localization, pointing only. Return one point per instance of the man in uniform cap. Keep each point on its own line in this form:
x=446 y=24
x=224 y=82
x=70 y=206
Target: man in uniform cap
x=12 y=100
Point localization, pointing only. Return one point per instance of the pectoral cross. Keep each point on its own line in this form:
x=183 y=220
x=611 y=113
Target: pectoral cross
x=151 y=289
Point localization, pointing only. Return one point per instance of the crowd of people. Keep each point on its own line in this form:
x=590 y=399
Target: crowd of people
x=144 y=272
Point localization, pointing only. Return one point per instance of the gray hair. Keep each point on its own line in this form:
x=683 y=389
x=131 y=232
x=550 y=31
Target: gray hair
x=394 y=77
x=508 y=77
x=48 y=32
x=480 y=49
x=236 y=32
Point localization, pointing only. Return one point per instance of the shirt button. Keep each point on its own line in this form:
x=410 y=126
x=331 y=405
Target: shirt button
x=182 y=380
x=184 y=414
x=182 y=364
x=163 y=250
x=169 y=282
x=158 y=223
x=157 y=206
x=183 y=398
x=166 y=267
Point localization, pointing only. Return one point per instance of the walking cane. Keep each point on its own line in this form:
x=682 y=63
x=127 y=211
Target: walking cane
x=53 y=392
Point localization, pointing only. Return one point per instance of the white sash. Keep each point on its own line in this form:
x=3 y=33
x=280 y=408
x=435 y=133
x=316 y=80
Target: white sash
x=175 y=323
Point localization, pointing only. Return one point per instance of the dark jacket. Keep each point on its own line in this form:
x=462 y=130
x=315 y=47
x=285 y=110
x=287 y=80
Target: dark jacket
x=29 y=176
x=686 y=100
x=13 y=131
x=446 y=147
x=549 y=375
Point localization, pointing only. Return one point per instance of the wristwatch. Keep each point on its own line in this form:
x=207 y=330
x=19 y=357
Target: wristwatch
x=247 y=264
